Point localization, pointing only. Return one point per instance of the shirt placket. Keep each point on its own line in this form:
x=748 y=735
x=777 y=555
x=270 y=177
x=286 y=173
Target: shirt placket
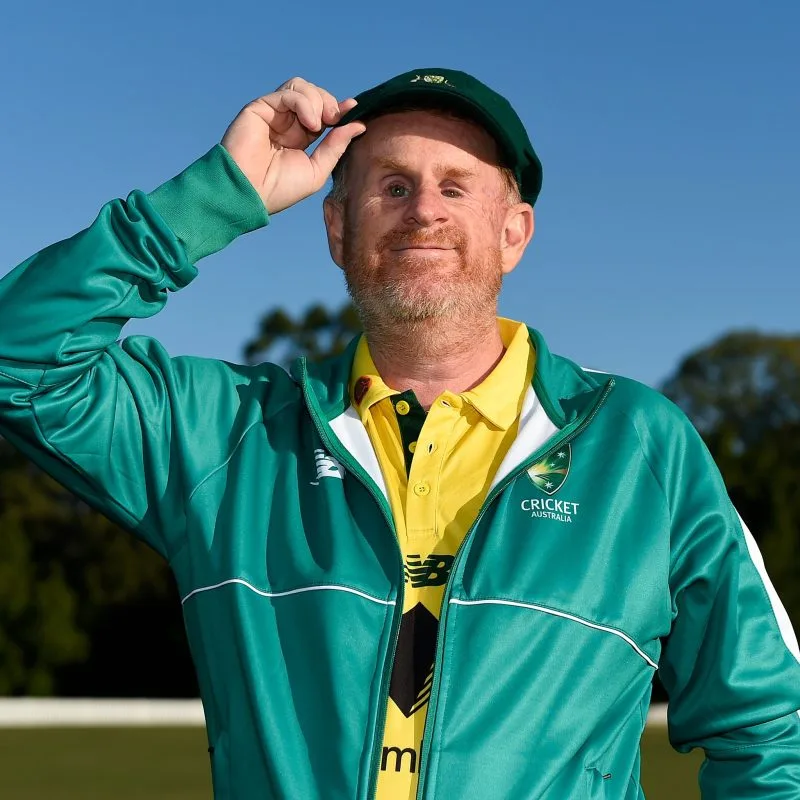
x=425 y=439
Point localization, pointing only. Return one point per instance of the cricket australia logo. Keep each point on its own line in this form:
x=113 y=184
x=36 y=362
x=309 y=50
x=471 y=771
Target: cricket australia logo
x=549 y=476
x=550 y=473
x=431 y=79
x=327 y=467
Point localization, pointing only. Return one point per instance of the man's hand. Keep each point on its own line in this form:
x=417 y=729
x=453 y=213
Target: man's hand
x=268 y=139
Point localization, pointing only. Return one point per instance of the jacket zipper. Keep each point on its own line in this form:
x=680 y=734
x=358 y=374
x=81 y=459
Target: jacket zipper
x=427 y=736
x=397 y=613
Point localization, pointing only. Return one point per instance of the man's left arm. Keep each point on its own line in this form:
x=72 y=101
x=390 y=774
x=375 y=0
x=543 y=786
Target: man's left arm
x=730 y=665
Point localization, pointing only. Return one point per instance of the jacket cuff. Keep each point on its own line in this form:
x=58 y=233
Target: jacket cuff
x=209 y=204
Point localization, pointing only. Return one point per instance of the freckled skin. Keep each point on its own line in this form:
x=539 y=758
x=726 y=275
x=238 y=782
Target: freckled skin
x=417 y=178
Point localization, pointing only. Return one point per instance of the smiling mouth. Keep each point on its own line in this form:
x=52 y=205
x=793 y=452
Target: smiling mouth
x=421 y=247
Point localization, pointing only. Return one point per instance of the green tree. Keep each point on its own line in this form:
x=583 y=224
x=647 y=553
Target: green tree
x=38 y=609
x=742 y=392
x=740 y=387
x=75 y=592
x=317 y=333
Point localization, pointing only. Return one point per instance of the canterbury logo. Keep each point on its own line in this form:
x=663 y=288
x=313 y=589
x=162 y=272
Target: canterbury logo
x=327 y=467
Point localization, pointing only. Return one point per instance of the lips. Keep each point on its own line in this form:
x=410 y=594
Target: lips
x=418 y=247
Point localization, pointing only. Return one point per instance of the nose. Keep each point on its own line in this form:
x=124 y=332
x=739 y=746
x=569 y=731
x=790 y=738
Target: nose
x=426 y=206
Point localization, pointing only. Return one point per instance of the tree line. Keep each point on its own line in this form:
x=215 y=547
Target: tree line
x=86 y=610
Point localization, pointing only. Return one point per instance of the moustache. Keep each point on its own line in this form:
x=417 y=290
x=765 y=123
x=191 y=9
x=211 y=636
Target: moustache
x=447 y=238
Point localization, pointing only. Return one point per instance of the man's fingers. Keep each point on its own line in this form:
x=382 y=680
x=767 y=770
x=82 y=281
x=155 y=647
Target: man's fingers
x=292 y=101
x=270 y=137
x=328 y=107
x=339 y=110
x=308 y=112
x=332 y=148
x=331 y=109
x=315 y=97
x=324 y=103
x=330 y=113
x=315 y=107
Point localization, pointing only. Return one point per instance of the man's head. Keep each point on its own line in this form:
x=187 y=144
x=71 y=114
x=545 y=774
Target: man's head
x=428 y=207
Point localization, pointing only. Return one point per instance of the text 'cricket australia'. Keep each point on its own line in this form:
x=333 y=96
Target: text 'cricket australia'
x=550 y=508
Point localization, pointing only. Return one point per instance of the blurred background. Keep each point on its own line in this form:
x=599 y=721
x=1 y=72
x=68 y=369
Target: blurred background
x=667 y=249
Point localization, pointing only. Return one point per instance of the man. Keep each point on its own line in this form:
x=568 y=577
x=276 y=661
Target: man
x=445 y=564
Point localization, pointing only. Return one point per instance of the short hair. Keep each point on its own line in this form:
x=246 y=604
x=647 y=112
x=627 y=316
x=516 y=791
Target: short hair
x=338 y=192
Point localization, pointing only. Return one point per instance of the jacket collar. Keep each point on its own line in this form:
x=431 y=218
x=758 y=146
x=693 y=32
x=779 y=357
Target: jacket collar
x=565 y=390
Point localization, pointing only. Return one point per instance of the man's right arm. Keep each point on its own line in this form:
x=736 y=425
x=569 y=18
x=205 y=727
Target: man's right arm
x=114 y=422
x=120 y=423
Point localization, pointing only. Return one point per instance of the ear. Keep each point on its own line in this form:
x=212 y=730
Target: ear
x=516 y=233
x=334 y=226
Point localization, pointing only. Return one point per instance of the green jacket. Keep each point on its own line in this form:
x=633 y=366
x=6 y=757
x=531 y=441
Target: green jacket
x=263 y=492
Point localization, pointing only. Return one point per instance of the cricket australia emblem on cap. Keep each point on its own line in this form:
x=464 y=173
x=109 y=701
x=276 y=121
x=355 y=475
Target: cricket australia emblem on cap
x=432 y=79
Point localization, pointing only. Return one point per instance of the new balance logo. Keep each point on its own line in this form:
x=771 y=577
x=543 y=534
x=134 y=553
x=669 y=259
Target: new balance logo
x=327 y=467
x=433 y=571
x=398 y=758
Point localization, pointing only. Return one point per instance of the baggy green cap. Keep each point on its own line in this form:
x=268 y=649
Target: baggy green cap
x=461 y=92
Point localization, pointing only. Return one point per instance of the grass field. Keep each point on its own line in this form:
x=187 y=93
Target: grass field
x=172 y=764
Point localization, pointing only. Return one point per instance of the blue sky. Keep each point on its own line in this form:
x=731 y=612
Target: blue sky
x=668 y=132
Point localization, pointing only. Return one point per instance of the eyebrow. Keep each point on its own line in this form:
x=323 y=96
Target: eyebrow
x=442 y=170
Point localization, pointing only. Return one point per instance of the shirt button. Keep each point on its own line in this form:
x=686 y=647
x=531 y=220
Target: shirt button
x=412 y=447
x=402 y=408
x=421 y=489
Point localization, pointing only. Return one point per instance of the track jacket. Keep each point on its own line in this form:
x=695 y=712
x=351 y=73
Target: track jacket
x=262 y=490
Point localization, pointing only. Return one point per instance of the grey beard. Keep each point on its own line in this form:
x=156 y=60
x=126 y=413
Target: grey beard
x=392 y=302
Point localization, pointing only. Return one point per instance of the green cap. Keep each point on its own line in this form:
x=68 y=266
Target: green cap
x=449 y=88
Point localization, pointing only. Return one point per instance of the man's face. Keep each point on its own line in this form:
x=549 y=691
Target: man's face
x=422 y=231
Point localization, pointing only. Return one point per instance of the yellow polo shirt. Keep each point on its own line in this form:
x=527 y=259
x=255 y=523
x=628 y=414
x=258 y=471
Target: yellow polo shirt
x=438 y=468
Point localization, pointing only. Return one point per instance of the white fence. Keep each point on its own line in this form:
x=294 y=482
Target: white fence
x=29 y=712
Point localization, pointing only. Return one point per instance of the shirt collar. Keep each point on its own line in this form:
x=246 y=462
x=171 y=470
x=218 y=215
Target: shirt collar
x=498 y=397
x=366 y=385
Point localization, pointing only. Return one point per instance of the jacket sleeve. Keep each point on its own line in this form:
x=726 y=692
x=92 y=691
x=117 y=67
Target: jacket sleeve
x=120 y=423
x=730 y=664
